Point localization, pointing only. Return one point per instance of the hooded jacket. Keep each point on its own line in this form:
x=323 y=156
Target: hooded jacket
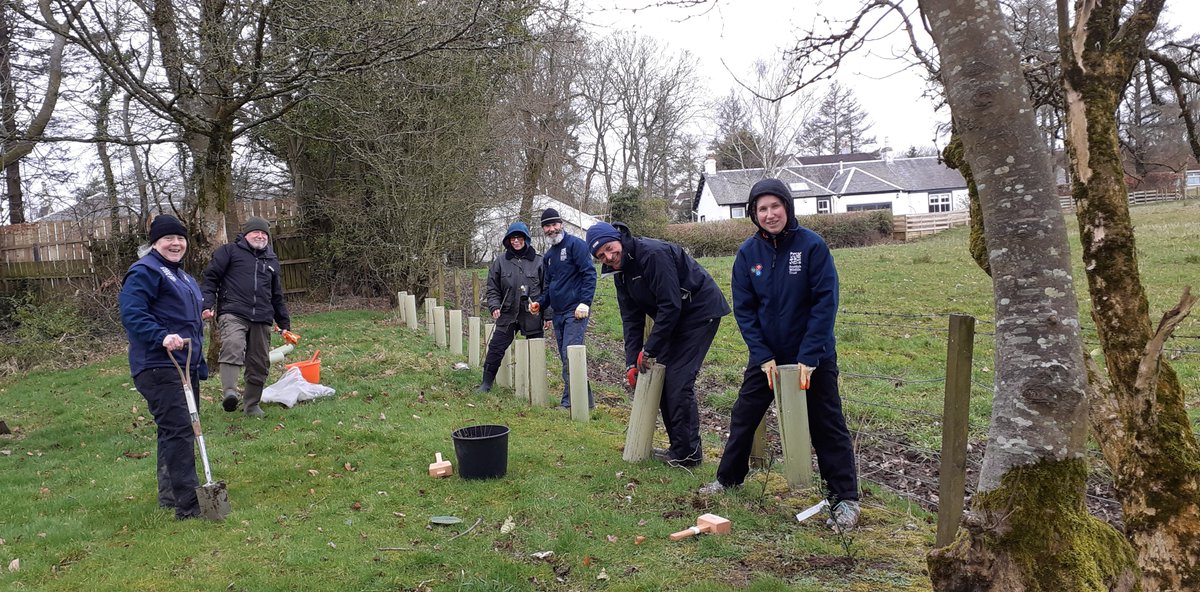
x=785 y=289
x=570 y=276
x=658 y=279
x=508 y=274
x=159 y=298
x=246 y=282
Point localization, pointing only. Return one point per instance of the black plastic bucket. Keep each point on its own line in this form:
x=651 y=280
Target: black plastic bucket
x=482 y=451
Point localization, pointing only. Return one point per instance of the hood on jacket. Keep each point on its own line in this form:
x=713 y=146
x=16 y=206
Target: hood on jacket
x=518 y=228
x=778 y=189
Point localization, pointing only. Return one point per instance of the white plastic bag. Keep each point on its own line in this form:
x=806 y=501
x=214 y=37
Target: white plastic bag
x=292 y=389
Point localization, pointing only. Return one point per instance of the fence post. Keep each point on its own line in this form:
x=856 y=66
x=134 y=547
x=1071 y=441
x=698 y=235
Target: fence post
x=439 y=292
x=952 y=474
x=474 y=293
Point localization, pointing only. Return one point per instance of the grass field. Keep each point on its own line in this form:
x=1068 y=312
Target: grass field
x=320 y=489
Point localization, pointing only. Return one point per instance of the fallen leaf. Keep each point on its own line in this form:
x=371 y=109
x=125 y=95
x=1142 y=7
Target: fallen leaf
x=416 y=417
x=546 y=555
x=508 y=525
x=587 y=560
x=612 y=538
x=313 y=472
x=332 y=545
x=471 y=405
x=382 y=417
x=398 y=514
x=603 y=575
x=639 y=539
x=356 y=506
x=14 y=565
x=642 y=522
x=142 y=454
x=349 y=467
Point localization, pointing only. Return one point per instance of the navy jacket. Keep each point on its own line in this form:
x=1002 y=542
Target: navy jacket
x=658 y=279
x=159 y=298
x=785 y=297
x=247 y=283
x=569 y=274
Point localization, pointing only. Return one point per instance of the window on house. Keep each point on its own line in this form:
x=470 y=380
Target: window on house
x=1193 y=178
x=737 y=212
x=939 y=202
x=822 y=206
x=869 y=206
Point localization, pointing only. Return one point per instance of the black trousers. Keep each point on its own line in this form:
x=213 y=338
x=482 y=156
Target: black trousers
x=502 y=337
x=682 y=357
x=177 y=480
x=826 y=424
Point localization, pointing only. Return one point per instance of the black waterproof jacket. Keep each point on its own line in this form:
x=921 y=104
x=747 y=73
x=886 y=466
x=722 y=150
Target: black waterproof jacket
x=246 y=283
x=511 y=272
x=658 y=279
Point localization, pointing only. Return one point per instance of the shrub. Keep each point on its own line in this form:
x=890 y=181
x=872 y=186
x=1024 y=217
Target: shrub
x=46 y=332
x=721 y=239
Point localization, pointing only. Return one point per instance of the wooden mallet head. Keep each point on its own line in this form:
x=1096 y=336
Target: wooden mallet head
x=705 y=524
x=441 y=468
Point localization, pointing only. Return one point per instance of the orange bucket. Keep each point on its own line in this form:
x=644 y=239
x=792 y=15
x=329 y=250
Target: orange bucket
x=309 y=369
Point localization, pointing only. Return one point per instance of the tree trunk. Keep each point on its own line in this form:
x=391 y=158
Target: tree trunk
x=1028 y=527
x=8 y=119
x=103 y=108
x=1138 y=410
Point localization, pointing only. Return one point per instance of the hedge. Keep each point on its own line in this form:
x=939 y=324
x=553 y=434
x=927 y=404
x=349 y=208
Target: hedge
x=722 y=239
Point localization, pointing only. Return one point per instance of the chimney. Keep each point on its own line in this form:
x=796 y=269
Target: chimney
x=710 y=165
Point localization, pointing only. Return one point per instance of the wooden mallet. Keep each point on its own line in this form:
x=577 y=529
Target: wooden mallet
x=441 y=468
x=705 y=524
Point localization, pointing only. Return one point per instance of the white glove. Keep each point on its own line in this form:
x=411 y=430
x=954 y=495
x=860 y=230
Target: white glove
x=581 y=311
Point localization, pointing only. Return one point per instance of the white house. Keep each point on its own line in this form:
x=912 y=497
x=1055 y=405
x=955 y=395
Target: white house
x=493 y=222
x=903 y=185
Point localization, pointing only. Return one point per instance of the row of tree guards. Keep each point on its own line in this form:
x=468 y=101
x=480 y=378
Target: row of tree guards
x=523 y=369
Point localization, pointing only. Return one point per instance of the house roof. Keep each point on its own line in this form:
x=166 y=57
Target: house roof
x=926 y=173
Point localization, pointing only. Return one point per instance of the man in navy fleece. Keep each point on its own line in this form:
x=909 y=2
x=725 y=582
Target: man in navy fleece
x=785 y=299
x=570 y=284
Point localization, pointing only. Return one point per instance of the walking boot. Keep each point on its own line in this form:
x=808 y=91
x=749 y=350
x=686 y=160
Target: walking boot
x=253 y=396
x=489 y=376
x=229 y=379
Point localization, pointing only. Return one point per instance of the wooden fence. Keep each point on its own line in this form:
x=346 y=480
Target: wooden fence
x=912 y=226
x=56 y=255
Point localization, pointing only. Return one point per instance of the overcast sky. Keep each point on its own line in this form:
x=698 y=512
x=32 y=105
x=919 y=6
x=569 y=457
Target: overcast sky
x=727 y=36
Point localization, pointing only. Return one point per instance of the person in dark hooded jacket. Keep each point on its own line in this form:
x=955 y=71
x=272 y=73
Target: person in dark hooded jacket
x=514 y=280
x=160 y=309
x=243 y=289
x=785 y=299
x=658 y=279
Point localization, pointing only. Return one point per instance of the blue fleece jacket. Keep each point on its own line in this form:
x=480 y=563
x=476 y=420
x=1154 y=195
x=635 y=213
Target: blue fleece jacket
x=569 y=274
x=785 y=297
x=159 y=298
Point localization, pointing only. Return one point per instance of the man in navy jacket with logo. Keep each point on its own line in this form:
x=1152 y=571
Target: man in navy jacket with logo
x=785 y=299
x=658 y=279
x=570 y=285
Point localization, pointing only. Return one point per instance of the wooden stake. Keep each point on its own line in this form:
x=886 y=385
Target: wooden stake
x=952 y=474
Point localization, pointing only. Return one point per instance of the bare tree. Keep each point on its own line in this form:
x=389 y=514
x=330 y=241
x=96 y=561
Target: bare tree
x=16 y=144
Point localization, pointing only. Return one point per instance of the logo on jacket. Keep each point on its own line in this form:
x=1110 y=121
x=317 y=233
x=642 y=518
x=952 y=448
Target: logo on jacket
x=756 y=270
x=562 y=255
x=168 y=273
x=794 y=263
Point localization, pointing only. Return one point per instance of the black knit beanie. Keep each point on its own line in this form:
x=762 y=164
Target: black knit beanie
x=165 y=225
x=256 y=223
x=550 y=216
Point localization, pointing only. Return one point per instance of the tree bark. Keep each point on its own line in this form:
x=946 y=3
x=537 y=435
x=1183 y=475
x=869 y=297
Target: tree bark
x=1138 y=409
x=1028 y=528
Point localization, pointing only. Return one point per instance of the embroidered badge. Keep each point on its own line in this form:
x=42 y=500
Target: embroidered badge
x=794 y=263
x=562 y=255
x=756 y=270
x=168 y=273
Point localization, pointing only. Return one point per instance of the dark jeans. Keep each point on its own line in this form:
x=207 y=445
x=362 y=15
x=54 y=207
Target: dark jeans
x=569 y=330
x=682 y=357
x=826 y=424
x=177 y=480
x=502 y=337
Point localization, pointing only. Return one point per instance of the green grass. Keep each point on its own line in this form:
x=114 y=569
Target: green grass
x=79 y=508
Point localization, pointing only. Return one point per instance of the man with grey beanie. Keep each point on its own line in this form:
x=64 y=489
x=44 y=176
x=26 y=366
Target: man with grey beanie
x=243 y=289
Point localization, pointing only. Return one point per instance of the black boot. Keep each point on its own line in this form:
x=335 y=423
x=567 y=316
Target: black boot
x=489 y=376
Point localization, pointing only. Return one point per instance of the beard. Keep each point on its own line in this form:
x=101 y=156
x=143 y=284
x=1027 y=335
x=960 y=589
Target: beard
x=557 y=238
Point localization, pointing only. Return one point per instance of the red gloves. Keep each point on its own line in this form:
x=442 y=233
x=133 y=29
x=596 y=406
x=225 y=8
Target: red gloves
x=631 y=376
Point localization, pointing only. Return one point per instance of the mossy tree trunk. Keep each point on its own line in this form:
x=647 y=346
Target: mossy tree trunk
x=1027 y=528
x=1138 y=409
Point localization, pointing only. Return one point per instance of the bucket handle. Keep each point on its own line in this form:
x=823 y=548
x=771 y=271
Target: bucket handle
x=316 y=356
